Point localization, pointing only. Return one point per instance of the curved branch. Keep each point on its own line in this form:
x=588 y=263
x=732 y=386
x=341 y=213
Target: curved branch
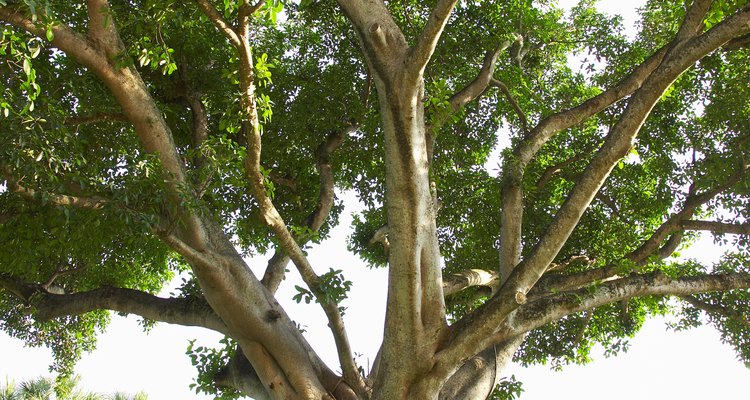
x=476 y=87
x=513 y=103
x=188 y=312
x=180 y=311
x=270 y=215
x=95 y=52
x=552 y=308
x=672 y=224
x=277 y=264
x=91 y=203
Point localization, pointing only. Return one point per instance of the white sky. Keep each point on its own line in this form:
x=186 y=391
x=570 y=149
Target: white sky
x=692 y=365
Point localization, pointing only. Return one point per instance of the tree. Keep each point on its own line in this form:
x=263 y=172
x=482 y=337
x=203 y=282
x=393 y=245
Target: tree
x=133 y=152
x=44 y=388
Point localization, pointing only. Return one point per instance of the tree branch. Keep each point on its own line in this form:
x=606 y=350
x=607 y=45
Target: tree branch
x=466 y=95
x=715 y=227
x=543 y=311
x=188 y=312
x=95 y=52
x=180 y=311
x=672 y=224
x=455 y=283
x=513 y=171
x=717 y=309
x=420 y=54
x=91 y=203
x=512 y=100
x=276 y=265
x=552 y=170
x=483 y=79
x=268 y=212
x=224 y=27
x=472 y=330
x=618 y=143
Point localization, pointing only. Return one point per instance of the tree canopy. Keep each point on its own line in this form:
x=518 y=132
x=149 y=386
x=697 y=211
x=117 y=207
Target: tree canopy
x=144 y=139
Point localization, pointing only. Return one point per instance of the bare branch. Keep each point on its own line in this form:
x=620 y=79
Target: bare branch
x=536 y=314
x=558 y=122
x=223 y=26
x=420 y=54
x=455 y=283
x=512 y=100
x=276 y=265
x=188 y=312
x=476 y=87
x=92 y=203
x=715 y=227
x=672 y=224
x=180 y=311
x=580 y=259
x=70 y=269
x=185 y=249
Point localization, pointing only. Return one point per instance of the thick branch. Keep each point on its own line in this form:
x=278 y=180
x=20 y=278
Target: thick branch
x=455 y=283
x=618 y=143
x=512 y=210
x=95 y=52
x=270 y=215
x=420 y=54
x=552 y=308
x=180 y=311
x=224 y=27
x=189 y=312
x=92 y=203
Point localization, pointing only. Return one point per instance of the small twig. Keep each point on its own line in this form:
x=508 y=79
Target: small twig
x=514 y=103
x=717 y=309
x=59 y=273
